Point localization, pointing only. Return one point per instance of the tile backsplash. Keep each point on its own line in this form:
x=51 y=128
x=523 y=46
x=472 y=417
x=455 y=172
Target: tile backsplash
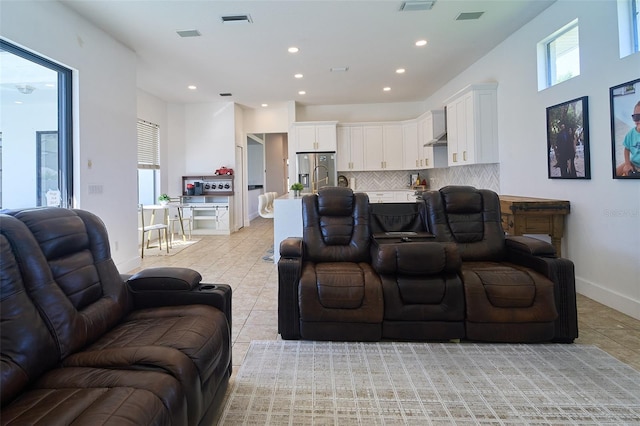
x=485 y=176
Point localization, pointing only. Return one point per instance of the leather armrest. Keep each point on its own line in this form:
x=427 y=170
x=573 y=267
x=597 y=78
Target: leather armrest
x=291 y=247
x=529 y=245
x=417 y=258
x=164 y=279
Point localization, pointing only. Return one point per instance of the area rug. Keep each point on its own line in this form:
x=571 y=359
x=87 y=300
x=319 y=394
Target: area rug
x=176 y=247
x=325 y=383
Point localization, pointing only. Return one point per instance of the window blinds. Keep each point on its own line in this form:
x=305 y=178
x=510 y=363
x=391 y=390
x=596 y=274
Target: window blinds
x=148 y=145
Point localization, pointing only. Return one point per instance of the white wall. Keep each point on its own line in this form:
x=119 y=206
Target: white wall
x=603 y=230
x=104 y=108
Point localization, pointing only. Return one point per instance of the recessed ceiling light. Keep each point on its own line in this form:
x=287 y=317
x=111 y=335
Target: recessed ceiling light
x=298 y=75
x=293 y=49
x=421 y=43
x=387 y=89
x=264 y=105
x=400 y=71
x=302 y=92
x=191 y=87
x=18 y=102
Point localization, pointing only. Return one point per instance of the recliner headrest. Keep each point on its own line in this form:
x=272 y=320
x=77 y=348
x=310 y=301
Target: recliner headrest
x=335 y=201
x=461 y=199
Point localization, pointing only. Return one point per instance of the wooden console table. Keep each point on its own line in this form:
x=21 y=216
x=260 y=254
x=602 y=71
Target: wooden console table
x=527 y=215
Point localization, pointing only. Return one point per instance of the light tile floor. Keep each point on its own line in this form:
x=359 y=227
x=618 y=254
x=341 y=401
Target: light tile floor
x=237 y=260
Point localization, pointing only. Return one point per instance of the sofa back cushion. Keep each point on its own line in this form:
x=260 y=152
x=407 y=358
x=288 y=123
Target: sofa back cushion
x=468 y=216
x=28 y=348
x=336 y=225
x=84 y=295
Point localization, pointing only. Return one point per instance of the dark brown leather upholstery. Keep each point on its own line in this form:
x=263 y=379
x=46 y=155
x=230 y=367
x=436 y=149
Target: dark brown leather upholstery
x=505 y=302
x=336 y=295
x=423 y=295
x=79 y=347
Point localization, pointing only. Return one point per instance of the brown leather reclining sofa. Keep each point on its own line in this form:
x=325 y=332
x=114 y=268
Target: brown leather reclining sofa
x=83 y=345
x=439 y=269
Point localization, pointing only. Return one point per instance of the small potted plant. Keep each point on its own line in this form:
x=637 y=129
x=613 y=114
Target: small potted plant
x=163 y=199
x=297 y=188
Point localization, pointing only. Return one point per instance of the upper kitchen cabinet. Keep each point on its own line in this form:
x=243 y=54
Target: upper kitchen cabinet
x=412 y=149
x=383 y=147
x=431 y=127
x=314 y=136
x=350 y=148
x=472 y=125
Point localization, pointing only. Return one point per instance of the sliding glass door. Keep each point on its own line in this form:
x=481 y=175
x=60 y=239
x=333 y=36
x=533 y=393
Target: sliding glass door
x=35 y=130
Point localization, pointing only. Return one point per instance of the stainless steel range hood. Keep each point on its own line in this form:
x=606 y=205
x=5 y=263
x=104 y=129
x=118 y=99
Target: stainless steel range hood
x=439 y=140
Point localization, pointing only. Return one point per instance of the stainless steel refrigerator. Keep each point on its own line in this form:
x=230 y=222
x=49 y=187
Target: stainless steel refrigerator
x=316 y=169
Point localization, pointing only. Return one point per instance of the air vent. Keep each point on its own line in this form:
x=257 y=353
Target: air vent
x=468 y=16
x=339 y=69
x=416 y=5
x=188 y=33
x=236 y=19
x=225 y=94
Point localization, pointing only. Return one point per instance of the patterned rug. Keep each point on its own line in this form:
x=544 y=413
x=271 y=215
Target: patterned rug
x=325 y=383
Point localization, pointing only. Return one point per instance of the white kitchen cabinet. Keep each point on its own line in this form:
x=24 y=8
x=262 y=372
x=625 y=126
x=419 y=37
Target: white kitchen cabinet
x=472 y=125
x=405 y=196
x=381 y=196
x=350 y=151
x=383 y=147
x=314 y=136
x=412 y=150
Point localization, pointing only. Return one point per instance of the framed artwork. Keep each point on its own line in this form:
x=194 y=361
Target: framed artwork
x=568 y=140
x=625 y=129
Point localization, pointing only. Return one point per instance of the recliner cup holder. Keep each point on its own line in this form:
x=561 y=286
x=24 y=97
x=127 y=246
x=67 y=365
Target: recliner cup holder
x=207 y=287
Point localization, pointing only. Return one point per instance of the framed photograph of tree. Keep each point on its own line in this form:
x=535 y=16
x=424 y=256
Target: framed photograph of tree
x=625 y=129
x=568 y=140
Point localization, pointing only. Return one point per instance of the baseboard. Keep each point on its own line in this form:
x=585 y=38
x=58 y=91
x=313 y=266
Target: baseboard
x=129 y=265
x=613 y=299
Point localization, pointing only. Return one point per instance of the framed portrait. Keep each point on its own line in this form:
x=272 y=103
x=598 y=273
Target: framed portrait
x=625 y=129
x=568 y=140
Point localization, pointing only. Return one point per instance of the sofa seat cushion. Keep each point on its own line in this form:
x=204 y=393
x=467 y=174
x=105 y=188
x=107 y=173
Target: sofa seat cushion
x=87 y=396
x=340 y=285
x=507 y=293
x=187 y=342
x=340 y=291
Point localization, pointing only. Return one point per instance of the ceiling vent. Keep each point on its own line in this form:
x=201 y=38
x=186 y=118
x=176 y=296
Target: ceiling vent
x=188 y=33
x=339 y=69
x=468 y=16
x=225 y=94
x=416 y=5
x=236 y=19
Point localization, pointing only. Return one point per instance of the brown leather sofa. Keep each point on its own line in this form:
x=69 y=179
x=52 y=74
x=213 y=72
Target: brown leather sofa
x=515 y=287
x=419 y=258
x=83 y=345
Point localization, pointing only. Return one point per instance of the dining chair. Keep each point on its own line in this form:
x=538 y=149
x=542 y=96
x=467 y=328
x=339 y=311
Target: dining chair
x=144 y=228
x=179 y=216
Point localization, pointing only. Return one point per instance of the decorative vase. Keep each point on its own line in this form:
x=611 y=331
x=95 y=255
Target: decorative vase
x=164 y=202
x=296 y=192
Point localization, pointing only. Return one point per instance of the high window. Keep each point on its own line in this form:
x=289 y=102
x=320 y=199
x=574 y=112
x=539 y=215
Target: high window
x=148 y=161
x=35 y=127
x=559 y=56
x=629 y=26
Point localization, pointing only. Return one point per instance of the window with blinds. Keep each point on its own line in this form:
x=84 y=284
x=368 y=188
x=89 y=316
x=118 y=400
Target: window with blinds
x=148 y=145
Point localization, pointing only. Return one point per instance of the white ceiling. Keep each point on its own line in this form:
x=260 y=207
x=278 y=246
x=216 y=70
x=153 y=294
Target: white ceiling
x=372 y=38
